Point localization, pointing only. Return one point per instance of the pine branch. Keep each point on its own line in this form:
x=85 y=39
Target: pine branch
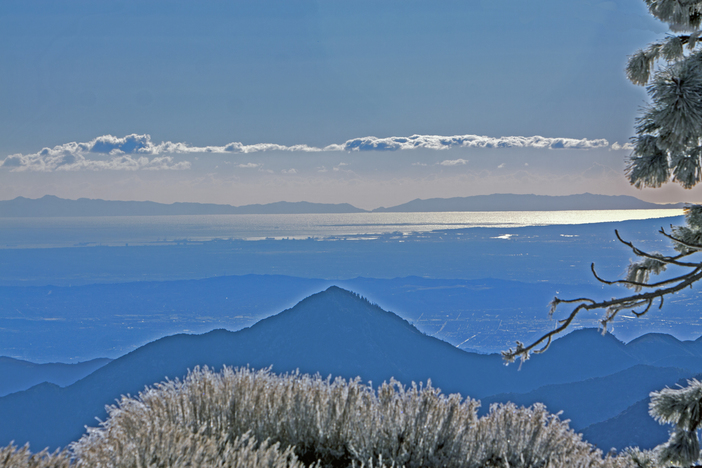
x=694 y=247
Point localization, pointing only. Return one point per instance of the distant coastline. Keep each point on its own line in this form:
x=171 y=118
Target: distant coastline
x=52 y=206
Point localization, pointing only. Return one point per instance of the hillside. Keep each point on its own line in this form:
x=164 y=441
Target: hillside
x=598 y=399
x=334 y=332
x=20 y=375
x=113 y=319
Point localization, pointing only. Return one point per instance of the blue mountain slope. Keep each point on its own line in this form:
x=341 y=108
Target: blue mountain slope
x=18 y=375
x=113 y=319
x=655 y=347
x=598 y=399
x=632 y=427
x=334 y=332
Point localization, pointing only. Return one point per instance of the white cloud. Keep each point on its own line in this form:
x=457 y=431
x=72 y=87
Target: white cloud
x=249 y=165
x=501 y=166
x=437 y=142
x=453 y=162
x=289 y=171
x=77 y=162
x=627 y=146
x=133 y=152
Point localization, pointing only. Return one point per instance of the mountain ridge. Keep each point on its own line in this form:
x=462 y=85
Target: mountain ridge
x=21 y=375
x=527 y=202
x=334 y=332
x=53 y=206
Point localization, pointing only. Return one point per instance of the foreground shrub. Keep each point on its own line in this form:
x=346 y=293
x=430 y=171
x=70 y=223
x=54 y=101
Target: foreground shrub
x=245 y=418
x=12 y=457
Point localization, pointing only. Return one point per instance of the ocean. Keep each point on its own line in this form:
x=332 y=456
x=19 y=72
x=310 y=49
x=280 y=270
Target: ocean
x=154 y=230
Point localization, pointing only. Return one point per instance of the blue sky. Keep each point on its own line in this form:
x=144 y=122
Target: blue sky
x=198 y=76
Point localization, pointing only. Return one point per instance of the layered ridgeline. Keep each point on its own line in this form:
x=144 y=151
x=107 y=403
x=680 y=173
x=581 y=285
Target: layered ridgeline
x=20 y=375
x=69 y=323
x=52 y=206
x=338 y=333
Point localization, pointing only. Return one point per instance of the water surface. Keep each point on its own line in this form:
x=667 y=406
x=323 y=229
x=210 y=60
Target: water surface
x=121 y=230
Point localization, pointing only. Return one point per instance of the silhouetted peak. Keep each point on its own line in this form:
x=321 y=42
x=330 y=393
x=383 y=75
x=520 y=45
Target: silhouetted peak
x=335 y=294
x=590 y=340
x=336 y=311
x=654 y=337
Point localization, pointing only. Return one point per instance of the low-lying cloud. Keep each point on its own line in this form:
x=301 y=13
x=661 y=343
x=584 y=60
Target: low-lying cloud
x=453 y=162
x=436 y=142
x=138 y=152
x=77 y=162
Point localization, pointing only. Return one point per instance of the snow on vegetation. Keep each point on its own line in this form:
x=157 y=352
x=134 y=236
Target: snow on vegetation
x=247 y=418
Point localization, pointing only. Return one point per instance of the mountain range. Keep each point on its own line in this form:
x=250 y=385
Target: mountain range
x=336 y=332
x=512 y=202
x=80 y=322
x=52 y=206
x=20 y=375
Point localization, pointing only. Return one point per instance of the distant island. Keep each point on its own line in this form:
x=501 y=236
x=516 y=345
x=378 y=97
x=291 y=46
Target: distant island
x=52 y=206
x=512 y=202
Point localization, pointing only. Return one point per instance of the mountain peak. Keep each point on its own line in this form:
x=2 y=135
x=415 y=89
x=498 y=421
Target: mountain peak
x=337 y=293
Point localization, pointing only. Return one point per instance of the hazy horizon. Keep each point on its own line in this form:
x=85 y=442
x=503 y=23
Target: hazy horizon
x=368 y=103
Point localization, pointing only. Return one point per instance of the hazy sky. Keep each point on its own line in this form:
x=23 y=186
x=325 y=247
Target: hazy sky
x=259 y=101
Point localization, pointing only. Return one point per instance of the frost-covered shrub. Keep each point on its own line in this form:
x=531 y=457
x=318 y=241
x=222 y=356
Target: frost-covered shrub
x=12 y=457
x=173 y=446
x=245 y=418
x=642 y=458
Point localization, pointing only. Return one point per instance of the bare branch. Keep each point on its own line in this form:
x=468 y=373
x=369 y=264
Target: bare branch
x=580 y=299
x=612 y=306
x=665 y=259
x=639 y=314
x=636 y=283
x=523 y=352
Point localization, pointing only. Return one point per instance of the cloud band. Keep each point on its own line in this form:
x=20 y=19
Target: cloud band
x=138 y=152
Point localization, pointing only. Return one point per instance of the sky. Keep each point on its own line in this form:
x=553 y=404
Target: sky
x=368 y=102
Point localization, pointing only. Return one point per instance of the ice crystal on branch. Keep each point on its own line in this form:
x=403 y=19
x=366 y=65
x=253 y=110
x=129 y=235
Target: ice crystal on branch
x=638 y=273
